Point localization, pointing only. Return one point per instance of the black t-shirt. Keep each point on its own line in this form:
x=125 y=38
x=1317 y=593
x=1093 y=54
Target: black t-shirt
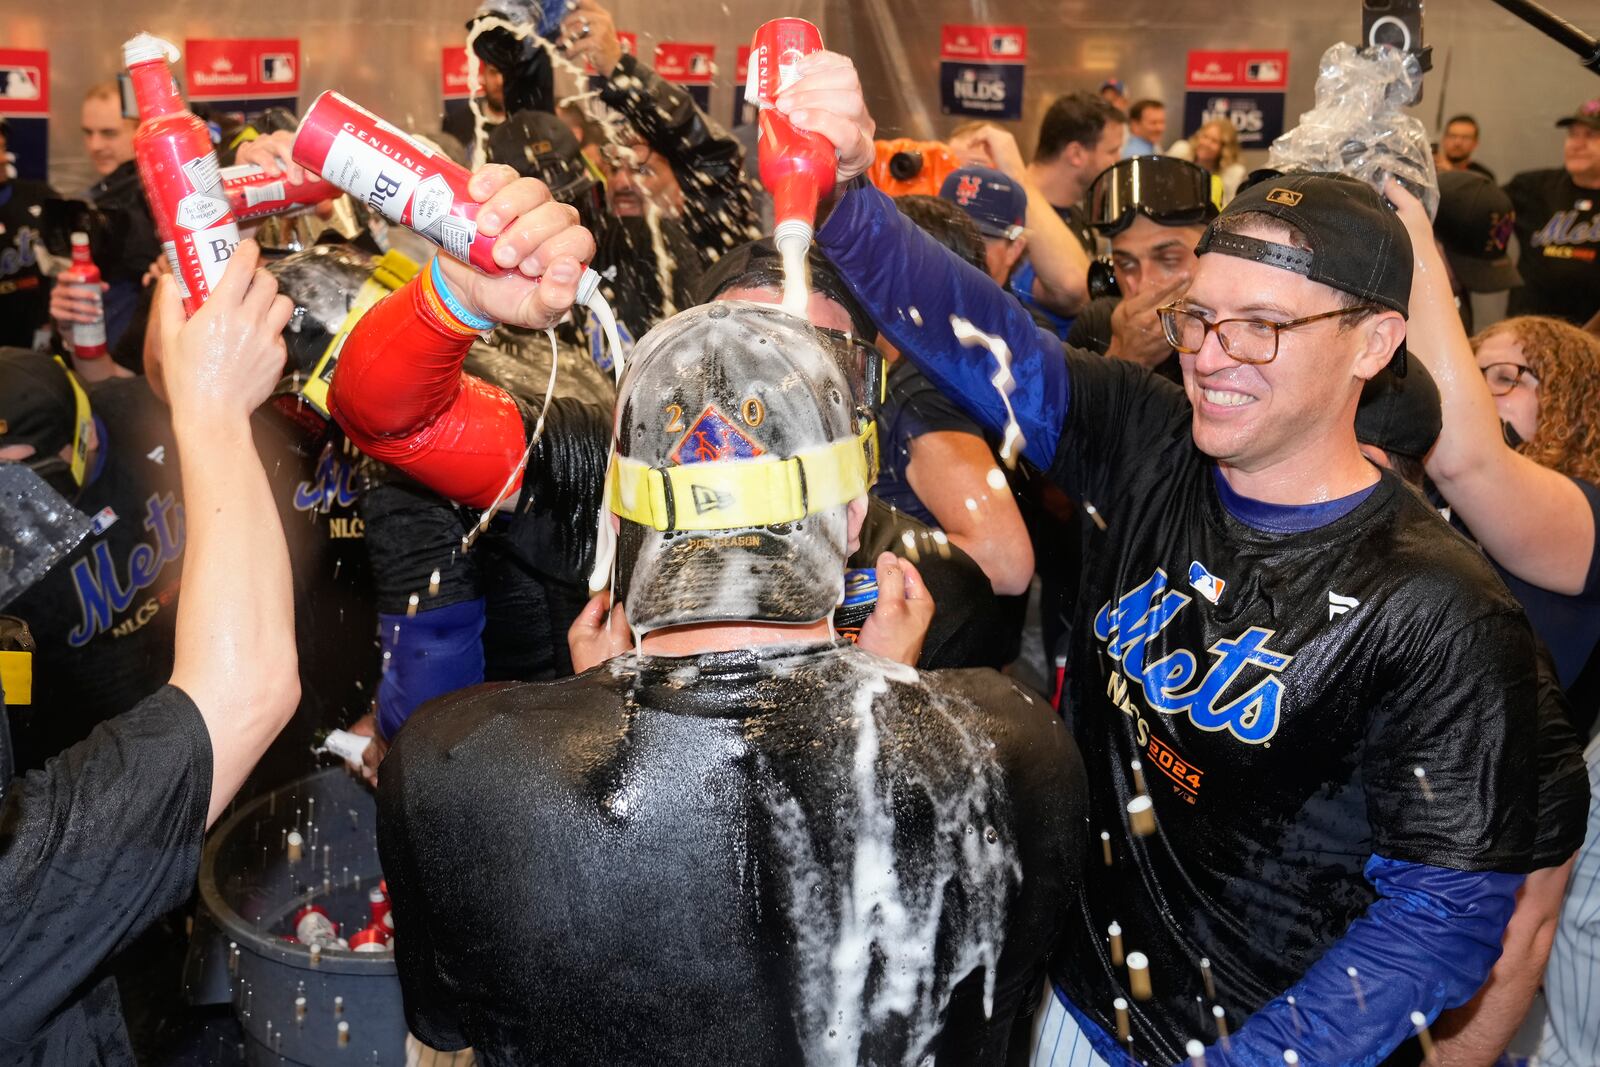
x=316 y=486
x=748 y=857
x=93 y=850
x=1280 y=691
x=104 y=615
x=1558 y=231
x=913 y=406
x=24 y=290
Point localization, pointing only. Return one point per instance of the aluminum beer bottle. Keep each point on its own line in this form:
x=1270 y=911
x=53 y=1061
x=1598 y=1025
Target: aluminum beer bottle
x=253 y=194
x=178 y=168
x=797 y=167
x=404 y=181
x=88 y=338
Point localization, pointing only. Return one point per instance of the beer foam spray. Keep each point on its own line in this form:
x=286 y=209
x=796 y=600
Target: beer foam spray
x=178 y=168
x=797 y=167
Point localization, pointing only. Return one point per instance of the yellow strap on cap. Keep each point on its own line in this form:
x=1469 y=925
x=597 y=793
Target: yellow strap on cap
x=82 y=419
x=742 y=493
x=16 y=678
x=392 y=271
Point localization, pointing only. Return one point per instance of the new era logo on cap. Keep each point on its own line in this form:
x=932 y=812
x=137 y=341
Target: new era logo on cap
x=1286 y=197
x=707 y=499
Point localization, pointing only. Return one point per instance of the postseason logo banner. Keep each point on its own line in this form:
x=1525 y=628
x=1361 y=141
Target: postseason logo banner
x=980 y=70
x=1246 y=87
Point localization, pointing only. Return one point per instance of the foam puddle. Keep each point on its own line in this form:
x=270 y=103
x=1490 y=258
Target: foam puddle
x=969 y=335
x=867 y=949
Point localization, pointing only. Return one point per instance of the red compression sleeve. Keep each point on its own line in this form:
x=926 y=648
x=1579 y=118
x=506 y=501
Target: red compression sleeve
x=399 y=392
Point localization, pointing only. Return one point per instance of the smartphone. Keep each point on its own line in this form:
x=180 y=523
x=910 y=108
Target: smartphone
x=130 y=103
x=1397 y=23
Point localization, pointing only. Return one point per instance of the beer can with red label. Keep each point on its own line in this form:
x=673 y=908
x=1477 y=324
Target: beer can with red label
x=253 y=194
x=370 y=939
x=778 y=46
x=179 y=172
x=404 y=181
x=378 y=902
x=313 y=927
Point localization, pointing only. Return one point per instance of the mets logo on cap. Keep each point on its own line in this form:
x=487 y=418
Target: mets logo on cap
x=714 y=437
x=968 y=188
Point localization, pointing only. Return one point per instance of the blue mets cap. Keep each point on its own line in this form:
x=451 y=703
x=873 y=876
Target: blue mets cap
x=996 y=203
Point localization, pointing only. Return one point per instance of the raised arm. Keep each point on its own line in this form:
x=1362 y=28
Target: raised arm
x=912 y=286
x=708 y=160
x=399 y=391
x=235 y=651
x=1531 y=520
x=1060 y=264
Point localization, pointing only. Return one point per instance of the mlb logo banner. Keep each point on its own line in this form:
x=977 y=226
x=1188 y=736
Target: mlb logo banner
x=454 y=81
x=243 y=75
x=25 y=102
x=743 y=113
x=980 y=70
x=1245 y=87
x=689 y=65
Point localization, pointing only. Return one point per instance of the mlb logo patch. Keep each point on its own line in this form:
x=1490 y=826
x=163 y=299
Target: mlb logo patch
x=1286 y=197
x=1205 y=583
x=714 y=437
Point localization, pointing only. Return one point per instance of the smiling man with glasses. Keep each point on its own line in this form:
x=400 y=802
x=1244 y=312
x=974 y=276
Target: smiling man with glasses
x=1306 y=707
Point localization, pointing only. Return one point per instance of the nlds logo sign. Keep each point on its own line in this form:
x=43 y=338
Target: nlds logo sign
x=972 y=88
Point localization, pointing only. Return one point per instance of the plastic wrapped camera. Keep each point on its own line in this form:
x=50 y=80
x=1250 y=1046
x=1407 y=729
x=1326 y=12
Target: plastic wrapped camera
x=1359 y=126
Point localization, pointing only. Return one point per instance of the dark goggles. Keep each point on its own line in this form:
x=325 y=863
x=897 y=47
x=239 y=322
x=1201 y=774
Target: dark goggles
x=1167 y=191
x=862 y=366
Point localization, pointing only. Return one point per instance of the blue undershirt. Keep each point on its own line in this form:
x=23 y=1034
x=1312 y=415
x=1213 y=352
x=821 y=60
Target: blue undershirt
x=1285 y=518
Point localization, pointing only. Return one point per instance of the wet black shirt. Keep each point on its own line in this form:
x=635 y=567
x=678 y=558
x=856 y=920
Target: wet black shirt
x=24 y=290
x=104 y=615
x=1280 y=691
x=1558 y=231
x=752 y=857
x=93 y=850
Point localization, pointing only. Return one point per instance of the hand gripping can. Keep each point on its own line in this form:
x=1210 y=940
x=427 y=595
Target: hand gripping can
x=253 y=194
x=179 y=171
x=400 y=179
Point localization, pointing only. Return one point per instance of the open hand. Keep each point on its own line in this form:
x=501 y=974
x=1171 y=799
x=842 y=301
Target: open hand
x=591 y=33
x=1136 y=333
x=538 y=235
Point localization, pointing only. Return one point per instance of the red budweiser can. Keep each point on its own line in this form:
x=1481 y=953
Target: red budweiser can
x=378 y=902
x=313 y=927
x=797 y=167
x=253 y=194
x=776 y=49
x=179 y=171
x=405 y=182
x=370 y=939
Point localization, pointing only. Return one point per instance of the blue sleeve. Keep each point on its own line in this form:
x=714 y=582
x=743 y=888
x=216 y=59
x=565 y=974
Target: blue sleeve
x=427 y=655
x=1426 y=944
x=894 y=268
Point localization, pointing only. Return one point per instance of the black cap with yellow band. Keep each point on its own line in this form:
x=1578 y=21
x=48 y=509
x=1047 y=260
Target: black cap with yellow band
x=742 y=434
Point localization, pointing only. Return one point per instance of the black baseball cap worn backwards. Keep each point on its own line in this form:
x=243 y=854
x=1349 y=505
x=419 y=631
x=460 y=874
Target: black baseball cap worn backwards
x=1358 y=244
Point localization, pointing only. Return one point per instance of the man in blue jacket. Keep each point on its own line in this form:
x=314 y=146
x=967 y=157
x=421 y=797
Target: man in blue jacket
x=1306 y=707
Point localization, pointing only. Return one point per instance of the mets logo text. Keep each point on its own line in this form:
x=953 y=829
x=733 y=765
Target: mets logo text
x=1130 y=625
